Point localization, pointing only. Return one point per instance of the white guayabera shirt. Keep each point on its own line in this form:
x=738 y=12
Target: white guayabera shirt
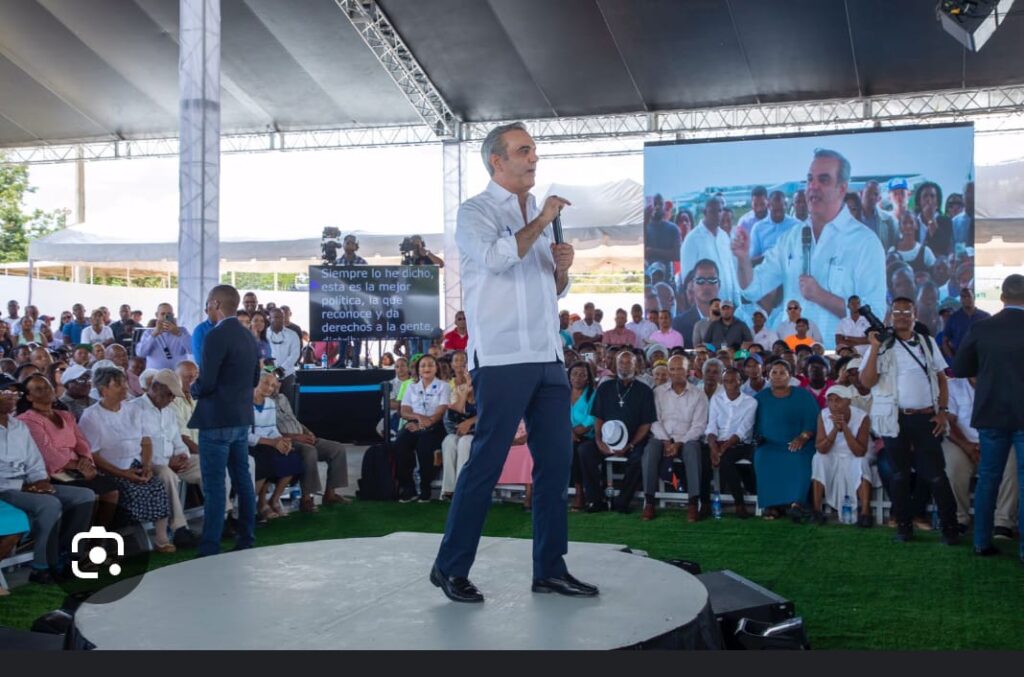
x=511 y=304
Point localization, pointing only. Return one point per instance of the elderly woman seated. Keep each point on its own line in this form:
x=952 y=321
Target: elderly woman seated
x=841 y=469
x=122 y=452
x=25 y=485
x=275 y=461
x=66 y=452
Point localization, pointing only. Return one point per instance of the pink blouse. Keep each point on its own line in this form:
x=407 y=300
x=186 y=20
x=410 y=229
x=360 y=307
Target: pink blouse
x=59 y=446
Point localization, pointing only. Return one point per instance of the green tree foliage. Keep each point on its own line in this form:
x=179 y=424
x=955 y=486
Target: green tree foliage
x=18 y=227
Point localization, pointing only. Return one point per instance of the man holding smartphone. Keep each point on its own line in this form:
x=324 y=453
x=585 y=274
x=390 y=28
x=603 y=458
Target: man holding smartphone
x=164 y=344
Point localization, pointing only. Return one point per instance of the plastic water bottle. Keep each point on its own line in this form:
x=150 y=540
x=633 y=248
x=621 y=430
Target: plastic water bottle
x=847 y=510
x=323 y=361
x=295 y=494
x=935 y=517
x=716 y=505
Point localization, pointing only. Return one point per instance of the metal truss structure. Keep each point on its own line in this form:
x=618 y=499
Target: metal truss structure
x=398 y=61
x=992 y=109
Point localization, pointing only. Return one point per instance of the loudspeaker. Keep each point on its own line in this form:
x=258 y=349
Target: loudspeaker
x=733 y=598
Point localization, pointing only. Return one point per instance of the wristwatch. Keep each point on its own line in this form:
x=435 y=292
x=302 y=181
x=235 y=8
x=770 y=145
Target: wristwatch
x=944 y=410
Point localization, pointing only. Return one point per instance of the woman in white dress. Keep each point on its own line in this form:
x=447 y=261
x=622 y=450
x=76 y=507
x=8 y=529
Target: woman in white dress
x=842 y=467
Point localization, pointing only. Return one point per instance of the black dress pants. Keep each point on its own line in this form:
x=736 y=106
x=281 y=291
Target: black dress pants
x=916 y=446
x=411 y=447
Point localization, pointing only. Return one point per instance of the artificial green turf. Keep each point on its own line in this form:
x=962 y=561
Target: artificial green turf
x=855 y=588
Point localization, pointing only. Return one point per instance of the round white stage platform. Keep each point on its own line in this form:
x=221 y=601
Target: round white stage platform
x=374 y=593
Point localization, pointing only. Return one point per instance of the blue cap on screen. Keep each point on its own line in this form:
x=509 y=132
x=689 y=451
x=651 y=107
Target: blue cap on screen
x=898 y=184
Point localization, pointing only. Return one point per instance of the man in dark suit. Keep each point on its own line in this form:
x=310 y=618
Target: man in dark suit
x=223 y=416
x=991 y=352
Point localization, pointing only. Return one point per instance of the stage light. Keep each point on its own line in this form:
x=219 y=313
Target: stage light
x=972 y=22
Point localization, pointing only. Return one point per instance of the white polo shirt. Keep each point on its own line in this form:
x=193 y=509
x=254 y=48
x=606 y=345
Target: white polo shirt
x=913 y=387
x=592 y=330
x=161 y=426
x=425 y=400
x=847 y=327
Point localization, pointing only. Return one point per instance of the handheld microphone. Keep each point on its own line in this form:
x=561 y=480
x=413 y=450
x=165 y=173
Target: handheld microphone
x=556 y=227
x=807 y=250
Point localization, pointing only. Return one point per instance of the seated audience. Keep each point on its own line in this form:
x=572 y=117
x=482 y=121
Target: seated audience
x=29 y=335
x=275 y=461
x=841 y=468
x=121 y=451
x=666 y=336
x=66 y=452
x=136 y=365
x=171 y=460
x=423 y=407
x=587 y=329
x=582 y=390
x=13 y=527
x=313 y=450
x=457 y=338
x=815 y=379
x=621 y=399
x=97 y=332
x=753 y=367
x=682 y=415
x=77 y=382
x=518 y=468
x=800 y=337
x=962 y=452
x=24 y=484
x=459 y=423
x=785 y=426
x=619 y=335
x=730 y=434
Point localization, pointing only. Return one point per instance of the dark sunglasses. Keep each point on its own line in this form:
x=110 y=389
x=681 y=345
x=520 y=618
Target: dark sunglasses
x=705 y=280
x=793 y=308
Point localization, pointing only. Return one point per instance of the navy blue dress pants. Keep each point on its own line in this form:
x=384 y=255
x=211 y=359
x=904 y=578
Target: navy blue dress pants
x=539 y=394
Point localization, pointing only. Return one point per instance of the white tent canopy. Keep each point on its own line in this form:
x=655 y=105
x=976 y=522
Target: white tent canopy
x=608 y=214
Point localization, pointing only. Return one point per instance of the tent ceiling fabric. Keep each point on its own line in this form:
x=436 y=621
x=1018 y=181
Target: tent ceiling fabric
x=73 y=70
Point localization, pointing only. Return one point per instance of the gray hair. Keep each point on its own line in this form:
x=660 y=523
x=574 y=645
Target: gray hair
x=494 y=145
x=843 y=176
x=104 y=376
x=709 y=362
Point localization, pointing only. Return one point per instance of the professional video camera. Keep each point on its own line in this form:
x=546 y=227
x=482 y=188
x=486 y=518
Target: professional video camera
x=876 y=325
x=330 y=243
x=408 y=250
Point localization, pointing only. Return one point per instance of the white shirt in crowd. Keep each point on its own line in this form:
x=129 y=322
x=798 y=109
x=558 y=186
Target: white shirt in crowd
x=859 y=329
x=15 y=326
x=20 y=460
x=912 y=253
x=701 y=244
x=766 y=338
x=788 y=328
x=961 y=405
x=580 y=326
x=642 y=330
x=92 y=337
x=161 y=426
x=748 y=389
x=681 y=416
x=114 y=435
x=285 y=348
x=425 y=400
x=913 y=387
x=731 y=417
x=511 y=303
x=264 y=424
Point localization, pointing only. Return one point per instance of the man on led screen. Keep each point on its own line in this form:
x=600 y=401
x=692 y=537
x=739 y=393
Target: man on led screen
x=842 y=256
x=709 y=241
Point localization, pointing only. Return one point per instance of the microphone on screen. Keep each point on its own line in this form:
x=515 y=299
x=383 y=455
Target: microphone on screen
x=556 y=226
x=807 y=250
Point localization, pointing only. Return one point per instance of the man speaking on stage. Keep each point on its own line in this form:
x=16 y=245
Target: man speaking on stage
x=512 y=276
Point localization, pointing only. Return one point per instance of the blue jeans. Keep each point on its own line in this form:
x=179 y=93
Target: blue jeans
x=220 y=449
x=995 y=449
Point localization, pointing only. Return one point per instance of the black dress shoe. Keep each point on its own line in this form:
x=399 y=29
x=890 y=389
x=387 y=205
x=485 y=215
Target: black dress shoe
x=456 y=588
x=904 y=533
x=183 y=538
x=580 y=584
x=230 y=528
x=951 y=537
x=1002 y=533
x=990 y=551
x=563 y=586
x=44 y=577
x=597 y=506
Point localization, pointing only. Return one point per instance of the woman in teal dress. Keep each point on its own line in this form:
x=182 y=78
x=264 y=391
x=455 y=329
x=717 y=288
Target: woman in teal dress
x=581 y=380
x=786 y=422
x=13 y=524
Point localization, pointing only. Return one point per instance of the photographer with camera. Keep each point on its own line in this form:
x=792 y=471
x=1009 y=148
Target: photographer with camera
x=906 y=372
x=415 y=253
x=165 y=344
